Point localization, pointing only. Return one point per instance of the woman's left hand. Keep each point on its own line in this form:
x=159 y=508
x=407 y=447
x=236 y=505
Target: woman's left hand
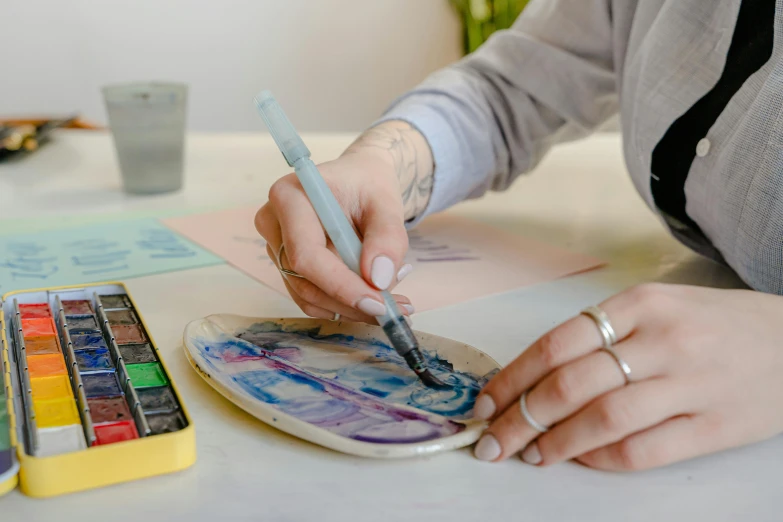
x=707 y=375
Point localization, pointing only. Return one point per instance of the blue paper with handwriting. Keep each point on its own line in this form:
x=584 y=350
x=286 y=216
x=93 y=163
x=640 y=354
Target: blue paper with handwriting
x=93 y=253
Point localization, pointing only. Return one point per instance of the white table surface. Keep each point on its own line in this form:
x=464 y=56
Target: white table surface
x=580 y=198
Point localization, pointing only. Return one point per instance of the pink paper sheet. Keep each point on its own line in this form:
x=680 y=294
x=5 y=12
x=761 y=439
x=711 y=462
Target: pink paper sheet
x=455 y=259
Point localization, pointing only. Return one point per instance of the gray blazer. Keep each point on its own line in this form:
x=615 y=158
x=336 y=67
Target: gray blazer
x=568 y=65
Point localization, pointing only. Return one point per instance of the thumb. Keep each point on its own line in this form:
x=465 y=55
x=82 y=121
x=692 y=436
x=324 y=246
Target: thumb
x=385 y=243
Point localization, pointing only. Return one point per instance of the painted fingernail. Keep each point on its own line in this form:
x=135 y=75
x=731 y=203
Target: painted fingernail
x=404 y=271
x=531 y=455
x=409 y=308
x=382 y=272
x=370 y=306
x=487 y=448
x=484 y=408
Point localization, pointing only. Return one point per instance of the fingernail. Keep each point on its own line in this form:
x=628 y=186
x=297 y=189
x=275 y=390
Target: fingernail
x=371 y=307
x=487 y=448
x=409 y=308
x=531 y=455
x=484 y=408
x=404 y=271
x=382 y=272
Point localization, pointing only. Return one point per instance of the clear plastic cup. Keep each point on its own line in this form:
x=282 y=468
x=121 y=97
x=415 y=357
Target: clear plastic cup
x=147 y=121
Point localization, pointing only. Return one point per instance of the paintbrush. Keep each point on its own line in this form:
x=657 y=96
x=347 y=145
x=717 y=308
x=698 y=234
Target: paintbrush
x=339 y=229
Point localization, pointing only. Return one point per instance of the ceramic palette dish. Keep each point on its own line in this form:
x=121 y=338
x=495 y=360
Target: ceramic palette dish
x=88 y=399
x=340 y=384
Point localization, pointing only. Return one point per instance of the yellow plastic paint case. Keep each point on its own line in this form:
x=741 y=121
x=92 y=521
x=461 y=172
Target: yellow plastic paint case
x=95 y=466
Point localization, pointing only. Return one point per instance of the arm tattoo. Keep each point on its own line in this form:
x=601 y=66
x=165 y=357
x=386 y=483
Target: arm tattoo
x=411 y=157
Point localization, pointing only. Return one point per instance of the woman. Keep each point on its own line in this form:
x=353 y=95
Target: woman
x=697 y=85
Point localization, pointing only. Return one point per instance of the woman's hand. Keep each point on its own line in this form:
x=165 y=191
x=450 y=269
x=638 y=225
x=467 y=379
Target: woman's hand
x=380 y=181
x=707 y=375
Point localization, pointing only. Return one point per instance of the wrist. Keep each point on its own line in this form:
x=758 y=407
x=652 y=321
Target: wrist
x=365 y=149
x=383 y=142
x=399 y=145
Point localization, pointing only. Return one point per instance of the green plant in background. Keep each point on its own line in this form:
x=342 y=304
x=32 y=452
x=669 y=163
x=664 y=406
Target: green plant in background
x=481 y=18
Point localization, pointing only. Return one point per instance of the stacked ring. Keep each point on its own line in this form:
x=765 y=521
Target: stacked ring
x=609 y=336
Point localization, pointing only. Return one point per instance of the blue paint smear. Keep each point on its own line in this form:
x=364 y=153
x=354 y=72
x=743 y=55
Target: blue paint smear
x=256 y=383
x=373 y=391
x=258 y=334
x=93 y=359
x=457 y=402
x=382 y=373
x=90 y=340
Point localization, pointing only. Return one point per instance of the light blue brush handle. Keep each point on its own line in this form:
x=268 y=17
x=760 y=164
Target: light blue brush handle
x=329 y=211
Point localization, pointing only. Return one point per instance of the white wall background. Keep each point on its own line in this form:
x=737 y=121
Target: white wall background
x=333 y=64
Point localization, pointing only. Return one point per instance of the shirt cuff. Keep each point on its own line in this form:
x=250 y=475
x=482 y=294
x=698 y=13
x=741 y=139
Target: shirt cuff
x=423 y=114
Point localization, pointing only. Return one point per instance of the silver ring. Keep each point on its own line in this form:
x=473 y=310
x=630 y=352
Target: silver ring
x=285 y=271
x=336 y=317
x=291 y=273
x=610 y=338
x=529 y=418
x=620 y=362
x=602 y=320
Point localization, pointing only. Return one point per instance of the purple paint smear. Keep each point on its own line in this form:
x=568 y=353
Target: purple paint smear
x=339 y=409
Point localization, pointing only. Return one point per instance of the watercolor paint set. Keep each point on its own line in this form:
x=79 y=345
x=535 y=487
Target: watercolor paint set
x=86 y=400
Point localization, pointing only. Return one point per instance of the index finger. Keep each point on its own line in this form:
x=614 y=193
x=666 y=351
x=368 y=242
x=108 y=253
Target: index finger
x=306 y=249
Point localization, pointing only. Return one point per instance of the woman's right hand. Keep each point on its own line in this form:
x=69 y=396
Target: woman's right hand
x=381 y=180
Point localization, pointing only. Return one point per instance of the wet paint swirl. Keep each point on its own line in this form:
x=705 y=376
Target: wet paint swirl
x=352 y=387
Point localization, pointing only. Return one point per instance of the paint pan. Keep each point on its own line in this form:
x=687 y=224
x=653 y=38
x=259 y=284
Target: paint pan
x=109 y=410
x=56 y=412
x=43 y=346
x=93 y=360
x=85 y=341
x=101 y=384
x=5 y=426
x=46 y=365
x=51 y=388
x=35 y=311
x=165 y=422
x=146 y=375
x=6 y=459
x=81 y=322
x=37 y=328
x=115 y=432
x=110 y=302
x=137 y=353
x=159 y=399
x=128 y=334
x=77 y=307
x=121 y=317
x=63 y=439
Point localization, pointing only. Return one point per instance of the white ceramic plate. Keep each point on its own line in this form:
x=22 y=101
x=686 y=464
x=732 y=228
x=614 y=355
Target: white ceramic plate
x=340 y=385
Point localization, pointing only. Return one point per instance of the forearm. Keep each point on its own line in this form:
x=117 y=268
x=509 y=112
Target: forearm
x=410 y=156
x=494 y=115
